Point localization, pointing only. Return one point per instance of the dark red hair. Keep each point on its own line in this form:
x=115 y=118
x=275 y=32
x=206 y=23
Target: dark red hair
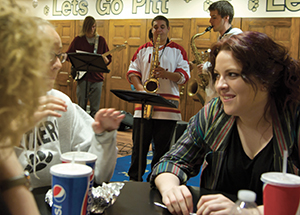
x=266 y=61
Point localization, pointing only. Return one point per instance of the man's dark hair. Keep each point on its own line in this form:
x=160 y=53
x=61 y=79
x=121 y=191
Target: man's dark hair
x=159 y=17
x=224 y=8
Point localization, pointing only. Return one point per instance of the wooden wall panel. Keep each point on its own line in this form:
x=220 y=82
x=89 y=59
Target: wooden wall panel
x=179 y=33
x=284 y=31
x=64 y=82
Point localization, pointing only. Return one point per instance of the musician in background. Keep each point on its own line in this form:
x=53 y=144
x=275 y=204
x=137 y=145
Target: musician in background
x=173 y=70
x=90 y=41
x=221 y=15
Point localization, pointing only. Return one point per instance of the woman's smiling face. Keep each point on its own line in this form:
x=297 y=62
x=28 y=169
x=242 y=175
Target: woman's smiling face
x=238 y=97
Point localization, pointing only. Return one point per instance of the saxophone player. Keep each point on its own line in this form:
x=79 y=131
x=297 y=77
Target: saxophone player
x=171 y=70
x=221 y=16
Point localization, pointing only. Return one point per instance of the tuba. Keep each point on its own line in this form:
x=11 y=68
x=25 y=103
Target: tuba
x=151 y=85
x=194 y=87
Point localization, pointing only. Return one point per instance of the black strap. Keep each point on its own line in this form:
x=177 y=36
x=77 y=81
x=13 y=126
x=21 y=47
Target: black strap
x=229 y=29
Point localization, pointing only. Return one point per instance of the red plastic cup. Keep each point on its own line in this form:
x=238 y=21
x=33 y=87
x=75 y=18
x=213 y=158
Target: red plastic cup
x=281 y=193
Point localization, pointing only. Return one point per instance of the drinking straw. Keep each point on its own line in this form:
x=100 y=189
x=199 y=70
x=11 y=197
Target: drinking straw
x=284 y=162
x=73 y=159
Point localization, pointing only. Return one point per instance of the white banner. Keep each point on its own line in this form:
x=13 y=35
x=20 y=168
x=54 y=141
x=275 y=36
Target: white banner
x=148 y=9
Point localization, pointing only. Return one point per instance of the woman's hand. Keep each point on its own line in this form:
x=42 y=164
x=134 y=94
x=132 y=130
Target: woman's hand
x=214 y=204
x=107 y=119
x=176 y=197
x=178 y=200
x=49 y=105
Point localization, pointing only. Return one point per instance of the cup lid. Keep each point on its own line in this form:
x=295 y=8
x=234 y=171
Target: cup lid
x=79 y=156
x=279 y=178
x=70 y=170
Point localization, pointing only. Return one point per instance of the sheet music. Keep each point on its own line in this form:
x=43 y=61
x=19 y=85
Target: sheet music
x=80 y=74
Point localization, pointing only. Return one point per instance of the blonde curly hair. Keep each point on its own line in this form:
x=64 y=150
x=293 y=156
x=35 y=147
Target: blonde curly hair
x=24 y=58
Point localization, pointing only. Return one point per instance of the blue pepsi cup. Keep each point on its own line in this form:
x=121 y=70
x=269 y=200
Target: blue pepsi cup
x=70 y=188
x=82 y=158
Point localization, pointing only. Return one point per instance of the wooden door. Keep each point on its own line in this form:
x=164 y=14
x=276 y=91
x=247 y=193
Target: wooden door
x=135 y=34
x=64 y=81
x=284 y=31
x=179 y=33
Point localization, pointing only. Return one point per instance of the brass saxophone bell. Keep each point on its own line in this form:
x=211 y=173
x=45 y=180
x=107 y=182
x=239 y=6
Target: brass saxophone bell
x=151 y=85
x=196 y=88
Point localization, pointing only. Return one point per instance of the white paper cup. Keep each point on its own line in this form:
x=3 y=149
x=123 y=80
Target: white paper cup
x=79 y=157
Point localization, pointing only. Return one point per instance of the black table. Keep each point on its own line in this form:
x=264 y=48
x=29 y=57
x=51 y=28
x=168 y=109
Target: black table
x=135 y=198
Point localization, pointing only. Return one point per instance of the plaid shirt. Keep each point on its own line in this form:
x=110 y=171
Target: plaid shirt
x=207 y=136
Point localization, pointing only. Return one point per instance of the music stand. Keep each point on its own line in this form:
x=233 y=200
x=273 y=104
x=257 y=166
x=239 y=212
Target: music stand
x=89 y=62
x=144 y=99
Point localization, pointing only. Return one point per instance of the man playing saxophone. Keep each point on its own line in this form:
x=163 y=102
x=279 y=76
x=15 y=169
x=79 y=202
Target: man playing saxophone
x=221 y=16
x=171 y=68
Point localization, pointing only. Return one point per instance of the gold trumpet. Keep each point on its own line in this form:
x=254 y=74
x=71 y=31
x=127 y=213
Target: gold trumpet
x=194 y=87
x=151 y=85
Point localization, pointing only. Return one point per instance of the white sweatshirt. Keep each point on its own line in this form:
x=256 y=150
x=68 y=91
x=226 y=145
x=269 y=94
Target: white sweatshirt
x=54 y=136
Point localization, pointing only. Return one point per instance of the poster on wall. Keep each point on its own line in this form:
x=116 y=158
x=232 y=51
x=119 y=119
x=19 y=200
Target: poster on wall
x=147 y=9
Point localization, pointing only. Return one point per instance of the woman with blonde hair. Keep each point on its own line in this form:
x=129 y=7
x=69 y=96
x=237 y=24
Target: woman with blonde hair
x=24 y=51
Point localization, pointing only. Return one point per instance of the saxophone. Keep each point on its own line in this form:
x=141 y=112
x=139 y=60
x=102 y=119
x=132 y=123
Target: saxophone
x=151 y=85
x=194 y=86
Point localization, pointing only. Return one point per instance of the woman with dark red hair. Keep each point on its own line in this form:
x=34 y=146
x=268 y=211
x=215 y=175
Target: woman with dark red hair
x=240 y=134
